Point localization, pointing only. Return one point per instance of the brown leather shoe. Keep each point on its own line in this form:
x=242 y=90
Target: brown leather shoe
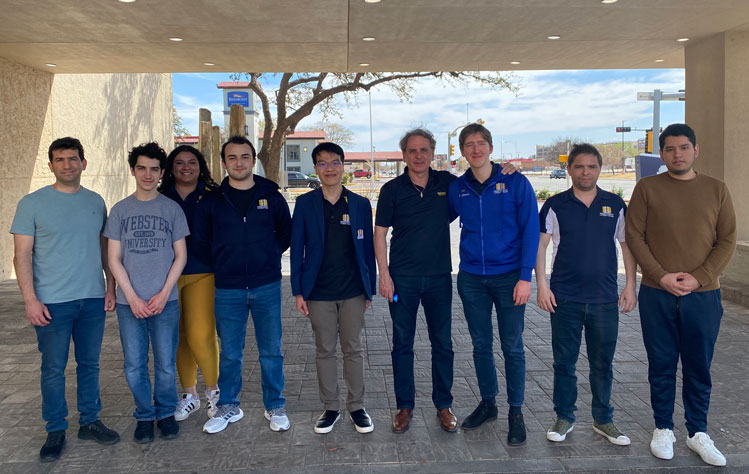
x=448 y=421
x=402 y=419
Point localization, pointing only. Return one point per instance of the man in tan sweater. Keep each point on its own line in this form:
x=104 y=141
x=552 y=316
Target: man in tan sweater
x=681 y=228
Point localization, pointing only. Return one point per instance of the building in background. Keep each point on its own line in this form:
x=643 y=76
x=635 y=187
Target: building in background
x=296 y=154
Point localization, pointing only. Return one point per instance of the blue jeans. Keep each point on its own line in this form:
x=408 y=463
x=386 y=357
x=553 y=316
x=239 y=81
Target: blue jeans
x=231 y=308
x=435 y=294
x=83 y=320
x=478 y=294
x=163 y=332
x=686 y=327
x=601 y=323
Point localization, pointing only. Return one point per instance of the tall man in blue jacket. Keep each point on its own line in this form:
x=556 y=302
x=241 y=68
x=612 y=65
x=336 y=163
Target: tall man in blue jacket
x=498 y=243
x=245 y=228
x=333 y=277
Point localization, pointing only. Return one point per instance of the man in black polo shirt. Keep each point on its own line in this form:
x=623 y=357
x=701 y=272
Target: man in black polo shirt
x=333 y=277
x=415 y=205
x=584 y=223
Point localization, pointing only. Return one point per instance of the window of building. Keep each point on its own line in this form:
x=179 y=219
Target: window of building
x=292 y=153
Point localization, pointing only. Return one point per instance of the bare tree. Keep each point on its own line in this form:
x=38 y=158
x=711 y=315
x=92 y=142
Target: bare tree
x=298 y=94
x=178 y=128
x=336 y=132
x=614 y=155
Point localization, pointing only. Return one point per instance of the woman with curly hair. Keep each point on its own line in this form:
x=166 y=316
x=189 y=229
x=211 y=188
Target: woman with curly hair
x=187 y=180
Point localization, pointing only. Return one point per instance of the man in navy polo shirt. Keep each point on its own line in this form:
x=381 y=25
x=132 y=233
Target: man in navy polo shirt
x=584 y=223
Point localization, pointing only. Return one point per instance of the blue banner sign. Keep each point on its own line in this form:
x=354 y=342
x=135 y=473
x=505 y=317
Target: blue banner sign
x=239 y=98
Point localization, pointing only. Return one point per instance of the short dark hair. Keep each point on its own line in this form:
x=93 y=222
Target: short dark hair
x=470 y=130
x=584 y=149
x=330 y=147
x=677 y=130
x=237 y=140
x=151 y=150
x=66 y=143
x=418 y=132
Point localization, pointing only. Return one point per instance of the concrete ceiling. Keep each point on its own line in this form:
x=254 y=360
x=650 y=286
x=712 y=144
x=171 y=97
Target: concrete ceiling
x=104 y=36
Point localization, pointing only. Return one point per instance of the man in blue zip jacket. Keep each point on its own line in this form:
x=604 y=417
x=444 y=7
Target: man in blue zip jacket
x=333 y=277
x=498 y=243
x=245 y=228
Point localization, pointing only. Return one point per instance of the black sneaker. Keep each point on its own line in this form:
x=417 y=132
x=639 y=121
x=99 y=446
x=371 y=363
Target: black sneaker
x=482 y=413
x=326 y=421
x=516 y=436
x=362 y=421
x=168 y=427
x=98 y=432
x=53 y=447
x=143 y=432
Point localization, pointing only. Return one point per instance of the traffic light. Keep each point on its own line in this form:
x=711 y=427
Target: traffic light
x=452 y=150
x=649 y=142
x=623 y=129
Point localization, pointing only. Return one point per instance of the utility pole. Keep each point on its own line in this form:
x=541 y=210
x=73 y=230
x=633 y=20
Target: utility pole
x=656 y=97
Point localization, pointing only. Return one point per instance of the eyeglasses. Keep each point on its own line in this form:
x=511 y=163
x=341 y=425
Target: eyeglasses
x=333 y=164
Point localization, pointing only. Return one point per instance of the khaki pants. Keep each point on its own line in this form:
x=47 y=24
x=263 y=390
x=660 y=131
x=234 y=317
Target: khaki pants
x=329 y=320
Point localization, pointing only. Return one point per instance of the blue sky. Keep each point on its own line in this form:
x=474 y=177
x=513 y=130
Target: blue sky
x=587 y=105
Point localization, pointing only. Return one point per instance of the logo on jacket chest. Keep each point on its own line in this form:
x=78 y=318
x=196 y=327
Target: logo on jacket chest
x=606 y=211
x=262 y=204
x=500 y=188
x=345 y=219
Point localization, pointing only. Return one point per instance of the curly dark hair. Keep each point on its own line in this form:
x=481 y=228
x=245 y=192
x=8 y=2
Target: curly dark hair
x=151 y=150
x=168 y=180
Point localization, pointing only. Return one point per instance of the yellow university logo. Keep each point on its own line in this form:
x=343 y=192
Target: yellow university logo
x=499 y=188
x=262 y=204
x=606 y=211
x=345 y=219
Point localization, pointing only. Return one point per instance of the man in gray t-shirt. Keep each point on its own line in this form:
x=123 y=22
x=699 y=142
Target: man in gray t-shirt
x=58 y=259
x=147 y=254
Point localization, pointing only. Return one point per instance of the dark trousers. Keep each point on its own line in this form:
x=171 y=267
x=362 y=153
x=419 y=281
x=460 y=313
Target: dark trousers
x=435 y=295
x=478 y=294
x=601 y=324
x=686 y=327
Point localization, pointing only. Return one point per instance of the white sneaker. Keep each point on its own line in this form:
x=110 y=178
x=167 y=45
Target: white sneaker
x=226 y=414
x=662 y=444
x=278 y=419
x=559 y=430
x=212 y=404
x=701 y=444
x=187 y=404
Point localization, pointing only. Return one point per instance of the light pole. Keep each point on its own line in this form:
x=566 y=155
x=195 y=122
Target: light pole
x=623 y=122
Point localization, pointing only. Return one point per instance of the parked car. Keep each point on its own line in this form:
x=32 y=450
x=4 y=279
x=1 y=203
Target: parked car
x=558 y=174
x=301 y=180
x=362 y=174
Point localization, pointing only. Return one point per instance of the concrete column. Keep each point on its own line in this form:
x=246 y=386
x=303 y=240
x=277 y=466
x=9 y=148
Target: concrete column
x=717 y=107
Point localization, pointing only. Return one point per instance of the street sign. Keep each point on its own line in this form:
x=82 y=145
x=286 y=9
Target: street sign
x=563 y=158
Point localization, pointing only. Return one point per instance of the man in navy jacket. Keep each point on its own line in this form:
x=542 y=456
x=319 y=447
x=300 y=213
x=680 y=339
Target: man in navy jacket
x=498 y=243
x=333 y=277
x=245 y=228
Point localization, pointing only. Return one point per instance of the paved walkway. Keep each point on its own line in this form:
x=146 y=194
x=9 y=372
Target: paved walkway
x=249 y=446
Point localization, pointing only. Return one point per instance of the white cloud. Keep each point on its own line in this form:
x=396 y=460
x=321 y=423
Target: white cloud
x=550 y=104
